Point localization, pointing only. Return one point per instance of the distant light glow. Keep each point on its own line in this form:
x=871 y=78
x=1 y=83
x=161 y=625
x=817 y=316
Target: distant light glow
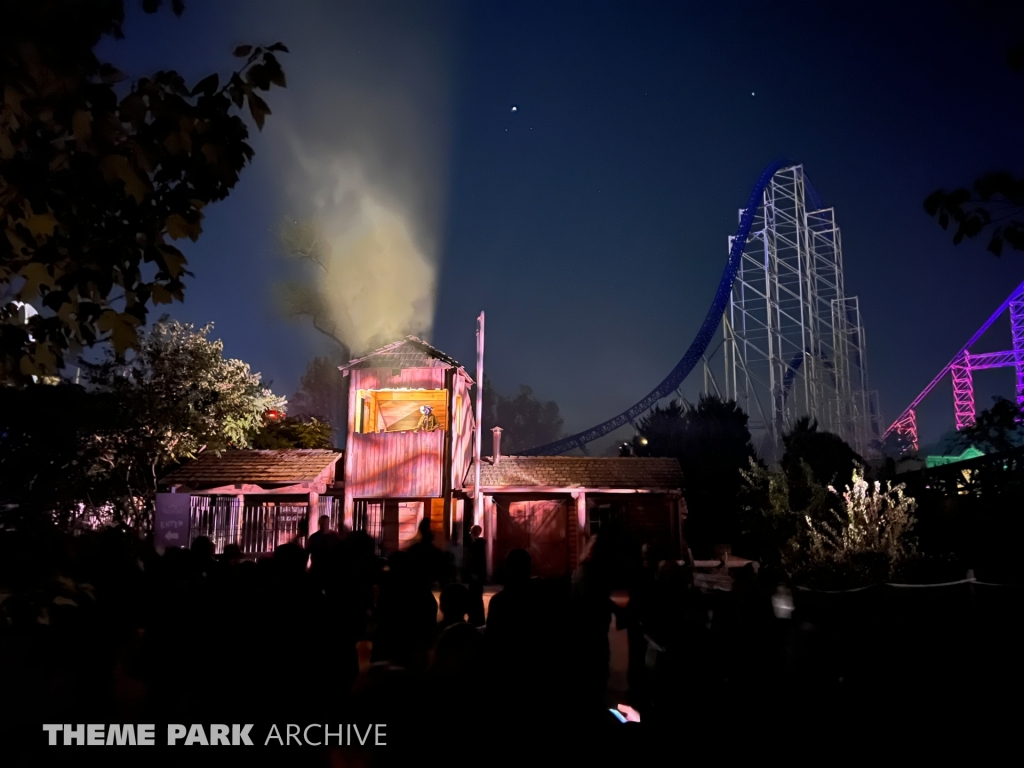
x=515 y=108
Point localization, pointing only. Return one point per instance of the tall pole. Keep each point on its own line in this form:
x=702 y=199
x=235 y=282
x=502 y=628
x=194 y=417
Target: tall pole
x=478 y=497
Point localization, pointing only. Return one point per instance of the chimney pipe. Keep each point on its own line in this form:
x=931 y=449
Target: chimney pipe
x=497 y=445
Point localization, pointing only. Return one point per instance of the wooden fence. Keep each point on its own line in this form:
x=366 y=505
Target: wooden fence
x=254 y=529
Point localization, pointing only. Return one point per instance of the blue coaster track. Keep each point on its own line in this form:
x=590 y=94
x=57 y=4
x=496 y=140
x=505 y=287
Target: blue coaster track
x=700 y=342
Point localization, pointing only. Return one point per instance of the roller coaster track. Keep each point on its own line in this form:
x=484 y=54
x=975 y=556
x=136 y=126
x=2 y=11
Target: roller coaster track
x=962 y=366
x=701 y=341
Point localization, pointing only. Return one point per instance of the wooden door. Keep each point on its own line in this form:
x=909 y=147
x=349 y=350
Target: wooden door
x=539 y=527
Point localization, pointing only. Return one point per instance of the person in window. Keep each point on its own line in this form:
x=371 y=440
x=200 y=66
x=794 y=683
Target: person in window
x=428 y=421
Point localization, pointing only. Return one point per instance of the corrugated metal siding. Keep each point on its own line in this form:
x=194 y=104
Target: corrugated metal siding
x=393 y=464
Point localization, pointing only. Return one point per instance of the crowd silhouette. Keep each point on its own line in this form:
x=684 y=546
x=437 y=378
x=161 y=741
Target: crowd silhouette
x=103 y=625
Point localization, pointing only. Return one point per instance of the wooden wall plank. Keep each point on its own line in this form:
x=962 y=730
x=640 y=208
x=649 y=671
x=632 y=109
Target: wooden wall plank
x=394 y=464
x=462 y=449
x=403 y=464
x=437 y=517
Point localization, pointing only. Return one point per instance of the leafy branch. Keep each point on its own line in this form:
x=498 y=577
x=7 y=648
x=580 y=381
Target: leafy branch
x=995 y=204
x=96 y=186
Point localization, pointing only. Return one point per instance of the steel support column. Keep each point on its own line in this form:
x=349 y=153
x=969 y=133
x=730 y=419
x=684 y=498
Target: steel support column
x=907 y=427
x=963 y=391
x=1017 y=329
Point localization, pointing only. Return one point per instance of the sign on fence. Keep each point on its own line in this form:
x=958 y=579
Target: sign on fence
x=171 y=522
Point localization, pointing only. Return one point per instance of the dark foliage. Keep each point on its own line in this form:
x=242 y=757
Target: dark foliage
x=828 y=458
x=98 y=176
x=89 y=455
x=894 y=446
x=712 y=443
x=319 y=390
x=930 y=569
x=995 y=204
x=525 y=421
x=970 y=511
x=58 y=450
x=862 y=569
x=293 y=432
x=995 y=429
x=323 y=395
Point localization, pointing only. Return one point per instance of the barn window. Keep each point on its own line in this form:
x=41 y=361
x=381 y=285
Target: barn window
x=398 y=410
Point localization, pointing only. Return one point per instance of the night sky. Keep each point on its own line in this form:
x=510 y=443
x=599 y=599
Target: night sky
x=591 y=223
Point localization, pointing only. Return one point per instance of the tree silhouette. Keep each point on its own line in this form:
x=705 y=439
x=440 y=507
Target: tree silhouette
x=826 y=456
x=995 y=429
x=711 y=440
x=323 y=395
x=293 y=432
x=525 y=420
x=994 y=204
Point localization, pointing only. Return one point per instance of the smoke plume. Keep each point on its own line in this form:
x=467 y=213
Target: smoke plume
x=372 y=269
x=362 y=156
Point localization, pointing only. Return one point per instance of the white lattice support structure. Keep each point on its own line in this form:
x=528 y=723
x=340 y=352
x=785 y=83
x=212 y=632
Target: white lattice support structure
x=857 y=411
x=793 y=342
x=963 y=391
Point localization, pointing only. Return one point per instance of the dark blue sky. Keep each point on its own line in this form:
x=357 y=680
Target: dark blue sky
x=591 y=224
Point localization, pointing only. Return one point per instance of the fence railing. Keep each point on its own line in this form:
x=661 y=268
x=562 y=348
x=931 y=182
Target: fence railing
x=254 y=529
x=334 y=508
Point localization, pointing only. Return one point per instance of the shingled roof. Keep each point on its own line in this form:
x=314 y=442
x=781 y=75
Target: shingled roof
x=410 y=352
x=278 y=466
x=580 y=472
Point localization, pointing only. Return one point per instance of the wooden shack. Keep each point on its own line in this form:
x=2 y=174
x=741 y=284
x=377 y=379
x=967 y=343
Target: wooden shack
x=409 y=457
x=552 y=505
x=255 y=500
x=396 y=471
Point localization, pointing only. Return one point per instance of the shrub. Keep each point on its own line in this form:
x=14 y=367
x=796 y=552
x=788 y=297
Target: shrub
x=863 y=538
x=868 y=542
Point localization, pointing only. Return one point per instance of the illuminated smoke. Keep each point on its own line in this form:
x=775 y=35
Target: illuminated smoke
x=372 y=267
x=359 y=143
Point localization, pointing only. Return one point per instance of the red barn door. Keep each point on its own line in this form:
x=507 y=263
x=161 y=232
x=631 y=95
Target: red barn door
x=539 y=527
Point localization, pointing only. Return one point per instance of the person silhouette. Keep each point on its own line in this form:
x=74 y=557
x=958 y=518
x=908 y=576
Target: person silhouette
x=320 y=544
x=476 y=574
x=427 y=562
x=454 y=605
